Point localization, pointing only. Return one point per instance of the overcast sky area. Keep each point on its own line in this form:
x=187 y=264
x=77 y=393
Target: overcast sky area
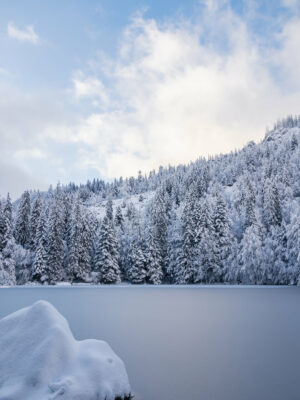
x=100 y=89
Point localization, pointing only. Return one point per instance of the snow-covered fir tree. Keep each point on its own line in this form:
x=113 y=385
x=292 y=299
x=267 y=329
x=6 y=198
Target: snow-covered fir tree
x=55 y=240
x=22 y=224
x=271 y=205
x=293 y=249
x=107 y=257
x=251 y=256
x=40 y=270
x=34 y=219
x=154 y=258
x=223 y=236
x=80 y=246
x=207 y=255
x=137 y=271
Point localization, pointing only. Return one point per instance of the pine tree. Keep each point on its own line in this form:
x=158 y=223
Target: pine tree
x=80 y=246
x=294 y=142
x=154 y=259
x=8 y=231
x=159 y=221
x=8 y=211
x=122 y=242
x=41 y=231
x=223 y=237
x=271 y=205
x=186 y=268
x=22 y=226
x=281 y=255
x=137 y=272
x=7 y=264
x=119 y=219
x=293 y=250
x=34 y=219
x=109 y=209
x=40 y=270
x=207 y=269
x=205 y=252
x=67 y=217
x=250 y=218
x=174 y=247
x=106 y=262
x=2 y=228
x=6 y=227
x=251 y=256
x=55 y=243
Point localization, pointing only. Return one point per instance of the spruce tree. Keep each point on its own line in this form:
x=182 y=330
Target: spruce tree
x=55 y=243
x=293 y=249
x=2 y=228
x=40 y=270
x=186 y=267
x=109 y=209
x=137 y=272
x=223 y=237
x=154 y=259
x=80 y=246
x=251 y=256
x=249 y=201
x=205 y=253
x=22 y=226
x=174 y=248
x=271 y=205
x=34 y=219
x=7 y=265
x=106 y=262
x=119 y=219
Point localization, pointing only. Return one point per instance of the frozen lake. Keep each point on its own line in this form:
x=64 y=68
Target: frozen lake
x=188 y=343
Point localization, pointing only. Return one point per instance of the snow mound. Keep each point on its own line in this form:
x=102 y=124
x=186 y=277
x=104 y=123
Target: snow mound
x=41 y=360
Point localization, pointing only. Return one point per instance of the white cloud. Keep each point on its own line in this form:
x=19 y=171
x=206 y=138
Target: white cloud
x=181 y=90
x=32 y=153
x=293 y=4
x=88 y=87
x=26 y=35
x=174 y=92
x=15 y=180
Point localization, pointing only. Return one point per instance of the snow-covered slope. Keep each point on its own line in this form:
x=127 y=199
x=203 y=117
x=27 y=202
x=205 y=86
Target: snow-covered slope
x=280 y=133
x=41 y=360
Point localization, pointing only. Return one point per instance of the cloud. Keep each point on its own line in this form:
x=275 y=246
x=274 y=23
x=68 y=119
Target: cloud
x=293 y=4
x=175 y=90
x=32 y=153
x=15 y=180
x=184 y=89
x=29 y=157
x=26 y=35
x=88 y=87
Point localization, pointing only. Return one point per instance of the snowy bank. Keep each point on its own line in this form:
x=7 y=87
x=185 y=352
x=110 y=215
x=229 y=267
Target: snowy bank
x=41 y=360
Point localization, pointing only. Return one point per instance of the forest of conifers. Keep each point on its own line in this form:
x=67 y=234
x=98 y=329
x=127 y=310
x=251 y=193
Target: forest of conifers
x=231 y=218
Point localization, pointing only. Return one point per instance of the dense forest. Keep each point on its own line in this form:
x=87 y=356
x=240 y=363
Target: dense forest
x=231 y=218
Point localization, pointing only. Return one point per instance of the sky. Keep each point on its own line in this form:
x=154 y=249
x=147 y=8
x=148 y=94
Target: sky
x=105 y=88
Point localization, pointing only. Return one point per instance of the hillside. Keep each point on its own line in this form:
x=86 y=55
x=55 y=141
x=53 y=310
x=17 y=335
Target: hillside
x=232 y=218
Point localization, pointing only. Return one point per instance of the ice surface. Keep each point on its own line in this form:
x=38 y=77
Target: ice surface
x=41 y=360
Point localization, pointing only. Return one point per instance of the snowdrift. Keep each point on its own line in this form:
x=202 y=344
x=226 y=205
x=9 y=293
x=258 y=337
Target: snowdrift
x=41 y=360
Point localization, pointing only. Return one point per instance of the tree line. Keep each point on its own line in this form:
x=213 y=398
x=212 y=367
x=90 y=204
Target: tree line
x=232 y=218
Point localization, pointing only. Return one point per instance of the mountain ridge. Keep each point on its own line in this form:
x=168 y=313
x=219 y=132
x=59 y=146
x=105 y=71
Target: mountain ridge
x=231 y=218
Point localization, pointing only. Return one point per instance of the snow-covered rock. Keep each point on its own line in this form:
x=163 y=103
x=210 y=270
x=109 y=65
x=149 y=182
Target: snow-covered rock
x=41 y=360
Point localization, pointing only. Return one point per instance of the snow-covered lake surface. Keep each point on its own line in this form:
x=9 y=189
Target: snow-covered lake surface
x=198 y=343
